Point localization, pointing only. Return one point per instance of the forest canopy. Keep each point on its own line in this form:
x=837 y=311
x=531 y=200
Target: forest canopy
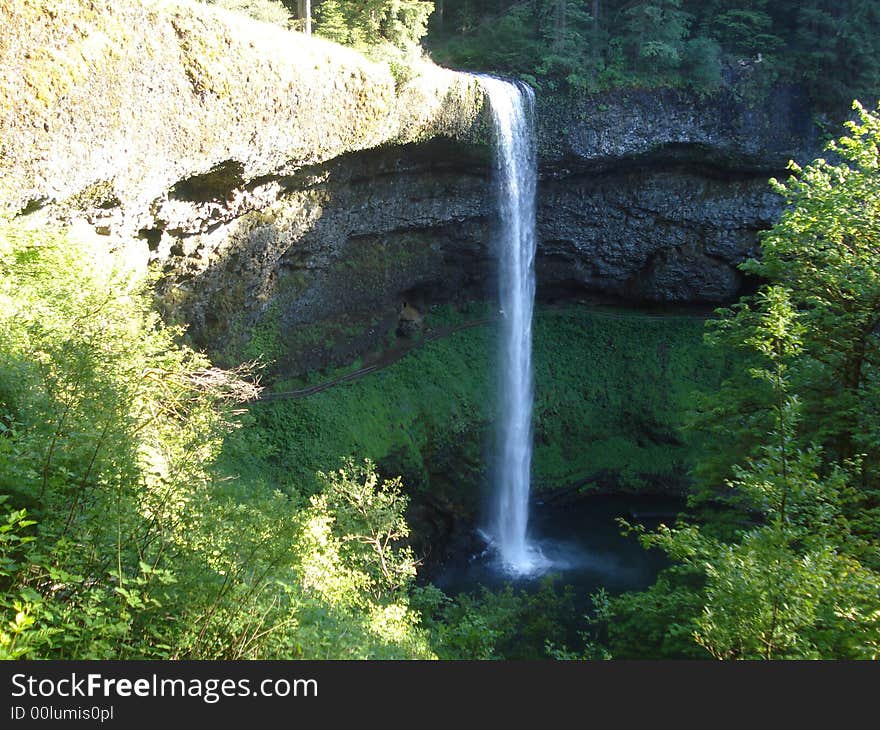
x=831 y=47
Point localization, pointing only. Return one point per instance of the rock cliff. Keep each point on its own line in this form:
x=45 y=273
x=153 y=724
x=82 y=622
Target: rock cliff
x=657 y=195
x=295 y=195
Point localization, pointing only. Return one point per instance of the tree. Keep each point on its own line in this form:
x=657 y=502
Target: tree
x=789 y=585
x=369 y=516
x=835 y=46
x=796 y=575
x=121 y=534
x=108 y=433
x=655 y=32
x=701 y=64
x=401 y=23
x=331 y=22
x=567 y=31
x=747 y=29
x=825 y=252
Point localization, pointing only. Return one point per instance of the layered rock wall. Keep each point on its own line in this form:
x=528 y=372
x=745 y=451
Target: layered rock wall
x=296 y=196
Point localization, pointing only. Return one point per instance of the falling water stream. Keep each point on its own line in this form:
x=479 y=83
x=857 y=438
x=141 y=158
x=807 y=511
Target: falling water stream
x=513 y=114
x=580 y=542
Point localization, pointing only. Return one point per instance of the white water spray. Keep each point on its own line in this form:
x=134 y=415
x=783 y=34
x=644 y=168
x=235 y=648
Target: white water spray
x=513 y=113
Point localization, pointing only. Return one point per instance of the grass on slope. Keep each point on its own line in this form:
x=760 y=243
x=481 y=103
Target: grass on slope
x=612 y=390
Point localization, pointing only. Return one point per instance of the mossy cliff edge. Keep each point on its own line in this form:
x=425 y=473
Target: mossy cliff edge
x=297 y=197
x=112 y=104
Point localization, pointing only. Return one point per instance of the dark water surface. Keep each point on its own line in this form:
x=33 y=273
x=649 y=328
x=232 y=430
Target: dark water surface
x=582 y=544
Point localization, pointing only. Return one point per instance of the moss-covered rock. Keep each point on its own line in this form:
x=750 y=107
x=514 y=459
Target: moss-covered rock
x=195 y=138
x=141 y=95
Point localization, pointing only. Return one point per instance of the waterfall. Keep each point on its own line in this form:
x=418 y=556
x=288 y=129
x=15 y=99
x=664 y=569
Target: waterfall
x=513 y=114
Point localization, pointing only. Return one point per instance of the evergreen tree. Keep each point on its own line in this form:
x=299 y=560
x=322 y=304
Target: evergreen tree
x=747 y=31
x=832 y=46
x=331 y=22
x=566 y=31
x=402 y=23
x=655 y=33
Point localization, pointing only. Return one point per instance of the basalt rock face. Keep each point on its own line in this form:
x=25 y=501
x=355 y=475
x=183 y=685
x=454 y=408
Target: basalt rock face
x=659 y=195
x=649 y=197
x=136 y=105
x=340 y=255
x=740 y=128
x=657 y=232
x=298 y=198
x=200 y=141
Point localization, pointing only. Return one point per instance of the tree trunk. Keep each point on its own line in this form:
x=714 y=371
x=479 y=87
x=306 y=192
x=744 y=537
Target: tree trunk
x=594 y=51
x=559 y=24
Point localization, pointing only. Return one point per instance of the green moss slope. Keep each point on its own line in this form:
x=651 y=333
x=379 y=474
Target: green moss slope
x=612 y=393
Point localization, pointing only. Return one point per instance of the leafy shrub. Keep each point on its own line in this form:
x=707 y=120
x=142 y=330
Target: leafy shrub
x=120 y=539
